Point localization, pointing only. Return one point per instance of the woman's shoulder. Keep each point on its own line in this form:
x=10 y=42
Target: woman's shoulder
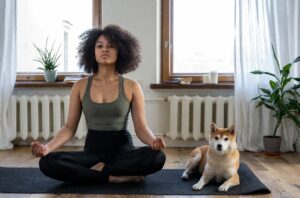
x=79 y=87
x=131 y=83
x=81 y=84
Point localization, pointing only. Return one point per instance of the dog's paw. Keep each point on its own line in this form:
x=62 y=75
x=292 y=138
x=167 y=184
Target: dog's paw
x=224 y=187
x=198 y=186
x=185 y=176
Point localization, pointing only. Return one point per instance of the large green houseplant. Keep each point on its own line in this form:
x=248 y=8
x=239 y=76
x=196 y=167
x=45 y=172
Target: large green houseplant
x=49 y=59
x=281 y=97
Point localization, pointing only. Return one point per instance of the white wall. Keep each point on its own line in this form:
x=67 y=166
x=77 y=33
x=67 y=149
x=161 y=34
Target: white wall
x=142 y=18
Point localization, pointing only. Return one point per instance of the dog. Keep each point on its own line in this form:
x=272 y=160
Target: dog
x=219 y=160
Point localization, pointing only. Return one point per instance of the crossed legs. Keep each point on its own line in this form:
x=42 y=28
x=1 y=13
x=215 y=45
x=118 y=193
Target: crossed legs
x=80 y=166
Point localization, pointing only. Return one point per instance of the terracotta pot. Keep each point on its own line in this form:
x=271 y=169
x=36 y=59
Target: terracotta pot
x=272 y=145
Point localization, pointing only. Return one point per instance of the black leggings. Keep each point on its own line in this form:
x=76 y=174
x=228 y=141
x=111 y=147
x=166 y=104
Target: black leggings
x=114 y=148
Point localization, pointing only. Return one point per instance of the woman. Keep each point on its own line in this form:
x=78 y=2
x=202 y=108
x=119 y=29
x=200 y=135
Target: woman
x=106 y=99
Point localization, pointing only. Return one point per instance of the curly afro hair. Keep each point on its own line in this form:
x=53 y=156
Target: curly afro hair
x=127 y=45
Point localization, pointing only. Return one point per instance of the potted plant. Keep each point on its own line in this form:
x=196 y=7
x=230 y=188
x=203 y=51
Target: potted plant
x=49 y=59
x=282 y=98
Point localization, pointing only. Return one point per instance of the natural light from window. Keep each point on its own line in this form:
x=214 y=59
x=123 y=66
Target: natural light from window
x=61 y=21
x=203 y=36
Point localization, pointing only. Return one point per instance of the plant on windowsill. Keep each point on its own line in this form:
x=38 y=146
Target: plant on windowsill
x=282 y=98
x=49 y=59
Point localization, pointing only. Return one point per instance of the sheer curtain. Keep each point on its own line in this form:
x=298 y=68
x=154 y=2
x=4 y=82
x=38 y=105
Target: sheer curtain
x=284 y=24
x=7 y=67
x=258 y=25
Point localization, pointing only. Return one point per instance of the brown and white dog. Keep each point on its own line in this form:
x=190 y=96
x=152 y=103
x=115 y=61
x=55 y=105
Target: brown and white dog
x=219 y=159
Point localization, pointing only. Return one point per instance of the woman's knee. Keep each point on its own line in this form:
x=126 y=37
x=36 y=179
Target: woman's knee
x=44 y=164
x=159 y=159
x=47 y=164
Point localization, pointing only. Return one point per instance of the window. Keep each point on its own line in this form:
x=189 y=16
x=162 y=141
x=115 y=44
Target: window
x=197 y=38
x=59 y=21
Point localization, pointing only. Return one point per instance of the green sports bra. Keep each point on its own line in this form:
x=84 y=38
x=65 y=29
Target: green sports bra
x=112 y=116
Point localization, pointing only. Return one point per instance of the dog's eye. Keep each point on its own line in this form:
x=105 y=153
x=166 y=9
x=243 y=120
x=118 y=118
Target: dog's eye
x=216 y=138
x=226 y=139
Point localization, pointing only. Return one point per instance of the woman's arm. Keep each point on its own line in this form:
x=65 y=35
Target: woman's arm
x=142 y=130
x=67 y=131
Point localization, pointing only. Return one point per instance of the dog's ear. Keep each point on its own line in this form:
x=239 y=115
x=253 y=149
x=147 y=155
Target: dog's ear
x=213 y=127
x=232 y=129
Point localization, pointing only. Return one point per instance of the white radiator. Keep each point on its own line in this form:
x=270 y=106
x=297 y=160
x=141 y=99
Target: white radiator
x=41 y=116
x=190 y=117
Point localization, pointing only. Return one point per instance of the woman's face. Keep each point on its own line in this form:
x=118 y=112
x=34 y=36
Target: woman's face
x=105 y=52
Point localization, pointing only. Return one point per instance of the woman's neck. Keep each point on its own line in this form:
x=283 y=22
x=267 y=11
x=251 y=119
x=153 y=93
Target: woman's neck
x=106 y=73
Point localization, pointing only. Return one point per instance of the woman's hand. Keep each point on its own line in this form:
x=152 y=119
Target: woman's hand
x=38 y=149
x=158 y=143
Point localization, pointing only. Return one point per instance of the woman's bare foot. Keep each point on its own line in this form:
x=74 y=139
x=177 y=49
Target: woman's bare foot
x=122 y=179
x=98 y=167
x=117 y=179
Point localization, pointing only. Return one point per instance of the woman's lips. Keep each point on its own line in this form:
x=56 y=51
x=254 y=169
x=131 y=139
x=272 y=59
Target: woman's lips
x=105 y=56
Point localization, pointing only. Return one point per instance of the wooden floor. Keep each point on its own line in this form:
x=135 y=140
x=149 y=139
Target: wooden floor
x=281 y=174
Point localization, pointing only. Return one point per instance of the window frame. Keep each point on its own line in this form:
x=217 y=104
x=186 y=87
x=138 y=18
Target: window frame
x=167 y=53
x=38 y=76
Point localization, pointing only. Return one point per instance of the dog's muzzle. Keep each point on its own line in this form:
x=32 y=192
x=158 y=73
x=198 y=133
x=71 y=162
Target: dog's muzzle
x=219 y=147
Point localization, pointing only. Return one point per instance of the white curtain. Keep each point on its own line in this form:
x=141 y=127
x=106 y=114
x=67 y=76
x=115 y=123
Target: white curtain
x=284 y=24
x=259 y=24
x=7 y=68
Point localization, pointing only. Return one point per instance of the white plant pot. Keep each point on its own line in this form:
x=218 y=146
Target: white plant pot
x=50 y=76
x=297 y=145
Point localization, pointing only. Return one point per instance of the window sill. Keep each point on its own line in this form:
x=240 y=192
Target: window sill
x=192 y=86
x=38 y=84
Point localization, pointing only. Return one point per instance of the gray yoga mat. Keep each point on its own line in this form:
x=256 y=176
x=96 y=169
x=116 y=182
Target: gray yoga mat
x=164 y=182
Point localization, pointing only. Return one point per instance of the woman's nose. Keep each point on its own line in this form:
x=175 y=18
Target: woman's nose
x=105 y=49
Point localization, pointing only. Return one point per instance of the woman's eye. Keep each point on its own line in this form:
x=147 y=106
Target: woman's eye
x=111 y=46
x=107 y=46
